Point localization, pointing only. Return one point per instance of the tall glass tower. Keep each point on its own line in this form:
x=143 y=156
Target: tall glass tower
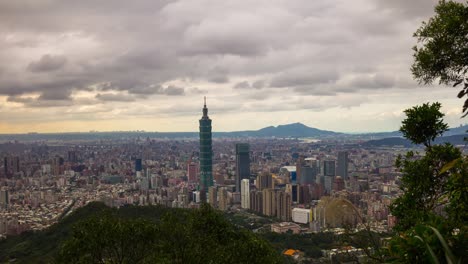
x=206 y=152
x=242 y=164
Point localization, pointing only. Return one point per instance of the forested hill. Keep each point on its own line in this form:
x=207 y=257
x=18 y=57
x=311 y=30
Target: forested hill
x=148 y=234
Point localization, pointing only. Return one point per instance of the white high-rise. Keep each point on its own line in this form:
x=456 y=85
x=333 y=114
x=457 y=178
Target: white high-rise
x=245 y=193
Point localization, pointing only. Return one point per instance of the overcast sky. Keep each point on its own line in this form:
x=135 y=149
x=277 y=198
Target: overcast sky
x=146 y=65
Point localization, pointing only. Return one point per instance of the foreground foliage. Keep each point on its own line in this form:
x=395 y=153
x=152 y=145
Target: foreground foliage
x=432 y=211
x=443 y=51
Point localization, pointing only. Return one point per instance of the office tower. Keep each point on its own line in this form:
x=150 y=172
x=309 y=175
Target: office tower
x=212 y=196
x=269 y=202
x=206 y=151
x=4 y=198
x=138 y=165
x=264 y=181
x=144 y=184
x=57 y=165
x=245 y=194
x=329 y=168
x=308 y=175
x=342 y=166
x=293 y=190
x=11 y=166
x=304 y=194
x=223 y=202
x=299 y=164
x=242 y=163
x=256 y=201
x=192 y=172
x=283 y=205
x=328 y=184
x=72 y=156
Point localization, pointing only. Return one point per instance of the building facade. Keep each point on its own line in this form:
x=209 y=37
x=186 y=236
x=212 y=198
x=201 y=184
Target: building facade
x=206 y=152
x=329 y=168
x=342 y=166
x=242 y=163
x=245 y=194
x=192 y=171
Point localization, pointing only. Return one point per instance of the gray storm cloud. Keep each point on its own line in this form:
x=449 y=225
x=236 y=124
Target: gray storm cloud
x=81 y=53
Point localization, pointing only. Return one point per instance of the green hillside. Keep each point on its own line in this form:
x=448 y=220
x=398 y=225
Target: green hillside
x=131 y=234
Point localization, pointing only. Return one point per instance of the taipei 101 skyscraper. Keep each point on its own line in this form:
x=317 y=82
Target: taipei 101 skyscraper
x=206 y=152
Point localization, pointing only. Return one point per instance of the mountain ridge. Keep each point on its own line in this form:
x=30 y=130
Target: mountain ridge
x=292 y=130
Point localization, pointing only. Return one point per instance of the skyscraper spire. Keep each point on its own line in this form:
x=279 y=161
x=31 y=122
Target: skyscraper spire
x=205 y=110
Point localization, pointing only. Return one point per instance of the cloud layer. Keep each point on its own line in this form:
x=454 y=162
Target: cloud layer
x=72 y=63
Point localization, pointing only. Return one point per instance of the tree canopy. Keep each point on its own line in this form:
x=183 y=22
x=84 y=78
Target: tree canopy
x=431 y=211
x=442 y=53
x=186 y=236
x=423 y=124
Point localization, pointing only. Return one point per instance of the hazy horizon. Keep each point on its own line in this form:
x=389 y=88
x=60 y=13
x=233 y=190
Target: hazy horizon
x=195 y=131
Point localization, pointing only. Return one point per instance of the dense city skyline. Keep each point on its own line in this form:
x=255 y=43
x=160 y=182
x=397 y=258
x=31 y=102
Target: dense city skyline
x=339 y=65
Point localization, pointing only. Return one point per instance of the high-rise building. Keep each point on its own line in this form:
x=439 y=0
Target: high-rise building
x=293 y=189
x=299 y=164
x=264 y=181
x=223 y=202
x=304 y=194
x=4 y=197
x=256 y=201
x=72 y=156
x=138 y=165
x=269 y=202
x=245 y=194
x=192 y=172
x=342 y=166
x=11 y=166
x=328 y=184
x=212 y=196
x=308 y=175
x=283 y=205
x=242 y=163
x=329 y=168
x=206 y=151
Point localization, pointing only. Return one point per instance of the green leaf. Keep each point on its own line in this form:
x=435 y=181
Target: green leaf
x=431 y=252
x=449 y=166
x=448 y=253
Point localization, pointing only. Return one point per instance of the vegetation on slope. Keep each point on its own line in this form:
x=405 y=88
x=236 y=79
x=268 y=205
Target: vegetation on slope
x=151 y=234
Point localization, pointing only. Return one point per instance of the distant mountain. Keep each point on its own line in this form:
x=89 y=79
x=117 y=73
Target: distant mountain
x=382 y=134
x=290 y=130
x=451 y=132
x=293 y=130
x=399 y=141
x=457 y=131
